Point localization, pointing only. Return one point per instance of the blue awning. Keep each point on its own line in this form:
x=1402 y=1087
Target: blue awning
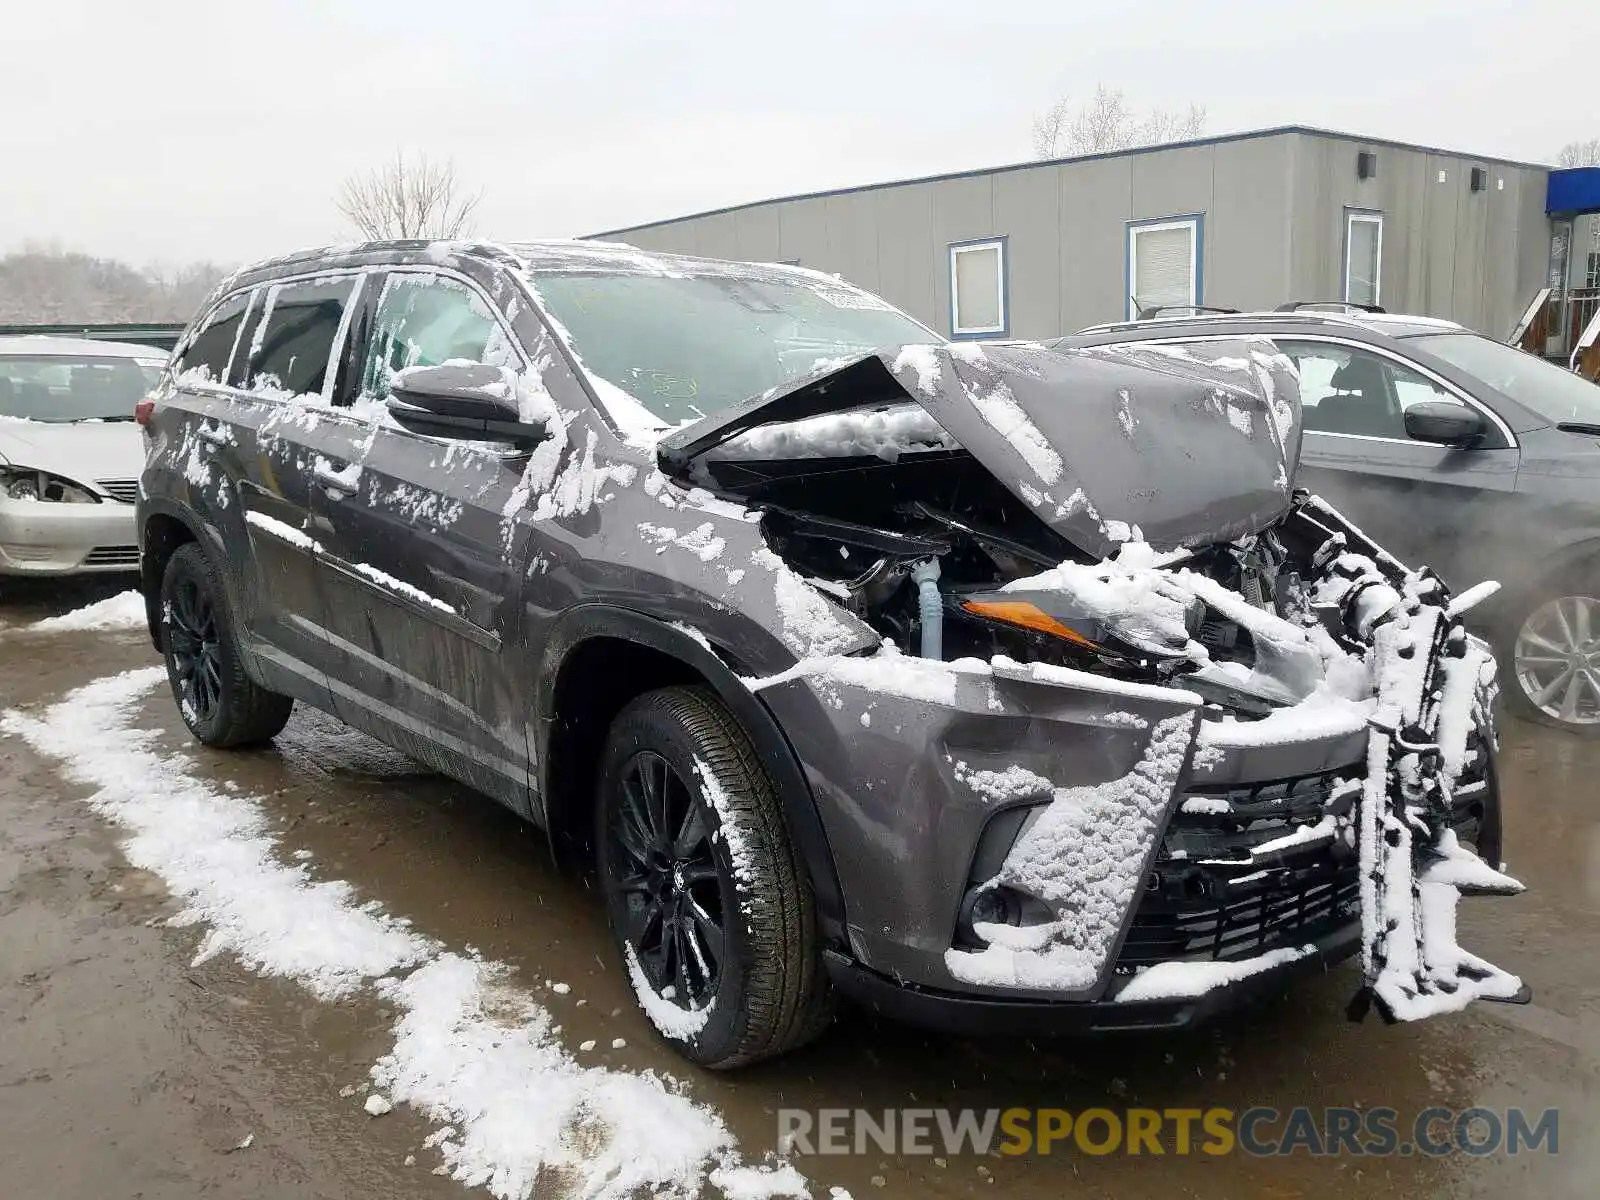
x=1573 y=190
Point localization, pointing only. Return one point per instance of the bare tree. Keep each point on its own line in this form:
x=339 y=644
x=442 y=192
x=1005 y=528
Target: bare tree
x=408 y=197
x=1580 y=154
x=1109 y=123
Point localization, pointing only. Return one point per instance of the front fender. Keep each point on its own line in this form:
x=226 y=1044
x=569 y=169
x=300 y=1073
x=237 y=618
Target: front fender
x=584 y=622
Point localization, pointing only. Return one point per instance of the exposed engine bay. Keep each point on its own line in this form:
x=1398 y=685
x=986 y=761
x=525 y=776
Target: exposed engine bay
x=972 y=573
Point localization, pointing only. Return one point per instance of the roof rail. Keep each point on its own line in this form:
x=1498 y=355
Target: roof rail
x=1326 y=305
x=1155 y=311
x=1226 y=318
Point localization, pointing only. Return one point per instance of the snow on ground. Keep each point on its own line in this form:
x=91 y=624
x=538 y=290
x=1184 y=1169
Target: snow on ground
x=473 y=1050
x=122 y=611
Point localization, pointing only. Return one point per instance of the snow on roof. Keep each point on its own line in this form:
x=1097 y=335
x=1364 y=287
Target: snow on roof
x=50 y=346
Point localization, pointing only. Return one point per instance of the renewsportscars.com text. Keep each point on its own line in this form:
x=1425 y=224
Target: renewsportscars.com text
x=1261 y=1132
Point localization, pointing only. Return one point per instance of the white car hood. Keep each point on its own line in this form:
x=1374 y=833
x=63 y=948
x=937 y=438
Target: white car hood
x=82 y=451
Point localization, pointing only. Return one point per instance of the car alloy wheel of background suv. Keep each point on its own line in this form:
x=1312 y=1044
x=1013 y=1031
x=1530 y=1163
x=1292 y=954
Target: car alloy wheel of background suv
x=1454 y=450
x=848 y=657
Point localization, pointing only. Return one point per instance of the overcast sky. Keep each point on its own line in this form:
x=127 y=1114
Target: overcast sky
x=177 y=130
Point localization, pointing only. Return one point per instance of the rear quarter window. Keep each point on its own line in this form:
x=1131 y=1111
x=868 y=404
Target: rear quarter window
x=212 y=346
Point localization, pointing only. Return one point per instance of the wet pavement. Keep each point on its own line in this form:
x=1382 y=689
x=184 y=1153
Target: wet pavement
x=126 y=1071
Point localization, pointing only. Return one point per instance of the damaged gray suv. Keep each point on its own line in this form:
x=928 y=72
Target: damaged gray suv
x=991 y=686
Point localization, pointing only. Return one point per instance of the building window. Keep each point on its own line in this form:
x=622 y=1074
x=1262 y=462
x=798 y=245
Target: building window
x=1164 y=264
x=1363 y=257
x=978 y=288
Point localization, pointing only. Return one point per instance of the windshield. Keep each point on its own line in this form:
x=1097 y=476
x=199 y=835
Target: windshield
x=63 y=388
x=686 y=347
x=1558 y=396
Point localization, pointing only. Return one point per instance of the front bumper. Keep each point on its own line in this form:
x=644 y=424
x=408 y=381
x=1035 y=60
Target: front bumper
x=893 y=777
x=980 y=1015
x=48 y=538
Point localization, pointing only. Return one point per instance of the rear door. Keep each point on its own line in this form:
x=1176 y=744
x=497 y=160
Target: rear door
x=423 y=597
x=290 y=366
x=1418 y=499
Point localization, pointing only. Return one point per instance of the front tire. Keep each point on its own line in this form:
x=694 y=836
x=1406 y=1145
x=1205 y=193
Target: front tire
x=219 y=702
x=1551 y=658
x=708 y=900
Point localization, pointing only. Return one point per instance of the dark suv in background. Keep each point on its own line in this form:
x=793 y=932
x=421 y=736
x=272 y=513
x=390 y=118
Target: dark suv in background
x=992 y=685
x=1453 y=450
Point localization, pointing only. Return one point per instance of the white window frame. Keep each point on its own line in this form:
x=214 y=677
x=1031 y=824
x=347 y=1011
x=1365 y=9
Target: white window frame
x=1135 y=229
x=1370 y=217
x=957 y=249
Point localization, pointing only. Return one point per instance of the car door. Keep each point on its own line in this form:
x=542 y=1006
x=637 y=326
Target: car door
x=288 y=367
x=1418 y=499
x=418 y=569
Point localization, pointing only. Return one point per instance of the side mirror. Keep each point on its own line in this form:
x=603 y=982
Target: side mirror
x=462 y=400
x=1444 y=423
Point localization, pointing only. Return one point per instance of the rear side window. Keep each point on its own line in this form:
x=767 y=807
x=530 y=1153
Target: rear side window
x=213 y=346
x=292 y=346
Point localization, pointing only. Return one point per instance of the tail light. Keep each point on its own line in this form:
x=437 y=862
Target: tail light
x=143 y=411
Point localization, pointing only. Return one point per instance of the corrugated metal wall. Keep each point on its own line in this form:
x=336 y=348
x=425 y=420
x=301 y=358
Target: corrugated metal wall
x=1274 y=210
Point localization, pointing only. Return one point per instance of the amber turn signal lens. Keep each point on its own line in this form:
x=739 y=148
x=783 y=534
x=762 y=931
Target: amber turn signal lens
x=1025 y=615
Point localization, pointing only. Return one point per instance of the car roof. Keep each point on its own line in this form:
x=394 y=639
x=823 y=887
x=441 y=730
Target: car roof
x=545 y=255
x=1386 y=324
x=50 y=346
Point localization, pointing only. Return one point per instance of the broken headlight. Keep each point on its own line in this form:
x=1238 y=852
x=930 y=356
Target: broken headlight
x=1161 y=626
x=22 y=483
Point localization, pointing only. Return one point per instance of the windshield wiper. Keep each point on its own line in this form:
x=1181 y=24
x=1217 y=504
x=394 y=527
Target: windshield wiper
x=1579 y=427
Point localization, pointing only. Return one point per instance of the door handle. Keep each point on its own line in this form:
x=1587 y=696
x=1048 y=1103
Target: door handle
x=343 y=482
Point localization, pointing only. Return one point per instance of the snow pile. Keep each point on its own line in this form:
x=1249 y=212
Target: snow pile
x=1083 y=857
x=884 y=433
x=1006 y=417
x=1183 y=980
x=122 y=611
x=472 y=1050
x=811 y=625
x=214 y=849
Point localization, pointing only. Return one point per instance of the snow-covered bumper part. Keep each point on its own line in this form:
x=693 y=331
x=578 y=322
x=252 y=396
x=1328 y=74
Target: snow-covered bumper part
x=1033 y=834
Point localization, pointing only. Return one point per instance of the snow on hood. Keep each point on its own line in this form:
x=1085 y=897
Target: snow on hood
x=1174 y=445
x=82 y=451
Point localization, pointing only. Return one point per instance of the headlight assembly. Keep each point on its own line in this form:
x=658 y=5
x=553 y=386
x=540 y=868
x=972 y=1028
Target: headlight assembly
x=22 y=483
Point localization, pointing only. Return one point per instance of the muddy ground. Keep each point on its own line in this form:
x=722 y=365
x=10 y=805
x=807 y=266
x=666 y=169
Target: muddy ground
x=125 y=1071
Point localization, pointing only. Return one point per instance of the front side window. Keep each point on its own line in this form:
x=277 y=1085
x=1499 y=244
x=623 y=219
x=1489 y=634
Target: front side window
x=424 y=320
x=291 y=348
x=1363 y=257
x=61 y=388
x=978 y=289
x=670 y=349
x=212 y=347
x=1163 y=265
x=1349 y=391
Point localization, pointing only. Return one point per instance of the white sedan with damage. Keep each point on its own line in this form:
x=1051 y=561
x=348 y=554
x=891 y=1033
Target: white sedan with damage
x=70 y=454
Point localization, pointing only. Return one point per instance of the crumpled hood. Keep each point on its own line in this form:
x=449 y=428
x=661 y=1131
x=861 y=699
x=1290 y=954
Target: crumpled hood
x=82 y=451
x=1179 y=445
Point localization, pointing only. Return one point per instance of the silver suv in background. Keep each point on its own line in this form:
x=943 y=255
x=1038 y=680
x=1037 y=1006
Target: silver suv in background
x=1454 y=450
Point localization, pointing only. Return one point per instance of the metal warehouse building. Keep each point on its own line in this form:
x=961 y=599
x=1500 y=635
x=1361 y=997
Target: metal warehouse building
x=1245 y=221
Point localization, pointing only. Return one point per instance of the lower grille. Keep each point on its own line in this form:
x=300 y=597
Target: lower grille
x=1208 y=899
x=112 y=556
x=125 y=490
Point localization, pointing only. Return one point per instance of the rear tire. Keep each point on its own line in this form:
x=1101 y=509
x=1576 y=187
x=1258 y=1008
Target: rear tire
x=709 y=902
x=1550 y=657
x=219 y=702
